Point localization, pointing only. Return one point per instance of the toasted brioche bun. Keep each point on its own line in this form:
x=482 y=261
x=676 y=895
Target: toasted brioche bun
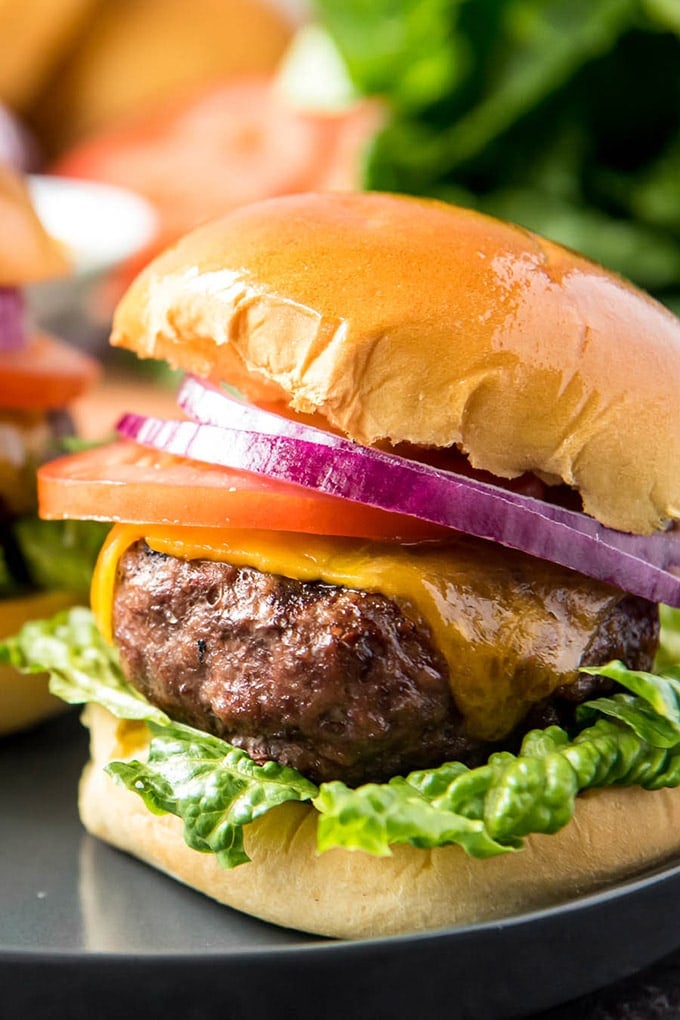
x=405 y=320
x=28 y=253
x=26 y=700
x=615 y=834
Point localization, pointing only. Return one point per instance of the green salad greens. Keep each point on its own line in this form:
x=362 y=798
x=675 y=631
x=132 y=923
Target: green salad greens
x=48 y=555
x=560 y=115
x=631 y=738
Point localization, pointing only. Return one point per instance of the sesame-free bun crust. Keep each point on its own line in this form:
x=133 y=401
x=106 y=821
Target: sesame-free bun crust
x=404 y=320
x=615 y=834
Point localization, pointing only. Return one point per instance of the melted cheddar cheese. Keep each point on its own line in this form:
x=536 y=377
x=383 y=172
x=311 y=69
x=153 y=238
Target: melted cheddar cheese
x=511 y=628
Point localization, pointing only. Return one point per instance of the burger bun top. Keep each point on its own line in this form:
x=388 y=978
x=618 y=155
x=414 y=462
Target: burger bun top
x=404 y=320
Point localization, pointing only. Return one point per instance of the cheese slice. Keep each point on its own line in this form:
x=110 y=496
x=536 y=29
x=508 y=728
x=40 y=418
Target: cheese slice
x=511 y=628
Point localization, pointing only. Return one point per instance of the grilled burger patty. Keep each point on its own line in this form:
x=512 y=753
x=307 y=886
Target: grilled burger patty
x=337 y=683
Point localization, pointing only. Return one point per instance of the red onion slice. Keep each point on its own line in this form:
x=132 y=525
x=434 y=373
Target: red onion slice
x=12 y=332
x=210 y=405
x=648 y=565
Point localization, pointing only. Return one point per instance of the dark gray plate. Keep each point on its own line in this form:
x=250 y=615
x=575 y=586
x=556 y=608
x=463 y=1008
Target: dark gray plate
x=86 y=932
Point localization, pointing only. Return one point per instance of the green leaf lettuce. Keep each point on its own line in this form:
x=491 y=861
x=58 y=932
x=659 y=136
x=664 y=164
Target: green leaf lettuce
x=632 y=738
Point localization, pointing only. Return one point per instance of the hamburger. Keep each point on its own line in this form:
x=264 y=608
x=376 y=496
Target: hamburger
x=375 y=644
x=42 y=565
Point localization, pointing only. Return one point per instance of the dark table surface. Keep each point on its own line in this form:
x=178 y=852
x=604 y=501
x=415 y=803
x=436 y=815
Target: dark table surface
x=653 y=994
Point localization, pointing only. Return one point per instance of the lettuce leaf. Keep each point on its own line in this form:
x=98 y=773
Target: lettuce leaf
x=60 y=554
x=216 y=789
x=669 y=649
x=81 y=665
x=54 y=555
x=632 y=738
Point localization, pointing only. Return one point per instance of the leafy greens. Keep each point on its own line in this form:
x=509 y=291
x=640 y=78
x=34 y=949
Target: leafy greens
x=631 y=738
x=48 y=555
x=561 y=115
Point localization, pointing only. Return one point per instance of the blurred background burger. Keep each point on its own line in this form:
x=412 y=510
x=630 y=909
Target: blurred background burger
x=42 y=568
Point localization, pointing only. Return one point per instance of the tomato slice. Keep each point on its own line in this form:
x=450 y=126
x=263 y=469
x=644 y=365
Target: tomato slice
x=124 y=482
x=45 y=374
x=205 y=153
x=223 y=145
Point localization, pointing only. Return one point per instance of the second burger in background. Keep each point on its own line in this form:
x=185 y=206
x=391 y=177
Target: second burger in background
x=43 y=566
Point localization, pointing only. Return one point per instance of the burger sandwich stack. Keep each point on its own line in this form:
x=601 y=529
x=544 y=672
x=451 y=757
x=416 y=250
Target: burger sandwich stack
x=379 y=636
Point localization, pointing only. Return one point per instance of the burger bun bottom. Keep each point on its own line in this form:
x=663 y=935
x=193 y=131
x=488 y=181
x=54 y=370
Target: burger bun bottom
x=615 y=834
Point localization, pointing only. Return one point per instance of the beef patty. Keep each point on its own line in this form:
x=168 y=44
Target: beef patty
x=337 y=683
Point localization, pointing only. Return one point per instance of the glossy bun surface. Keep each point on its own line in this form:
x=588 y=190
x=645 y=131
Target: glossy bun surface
x=406 y=320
